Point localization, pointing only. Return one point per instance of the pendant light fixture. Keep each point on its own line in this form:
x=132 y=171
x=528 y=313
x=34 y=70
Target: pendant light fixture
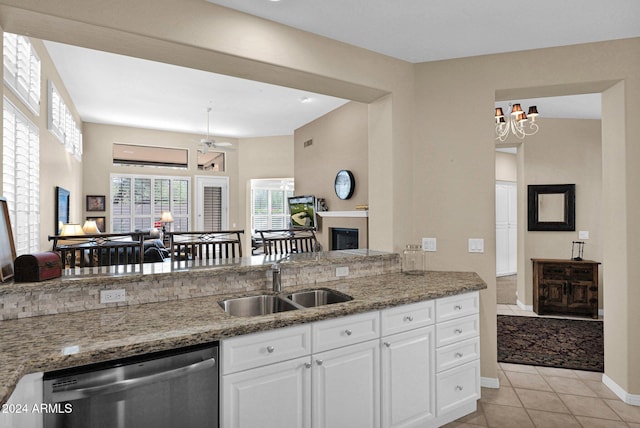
x=518 y=123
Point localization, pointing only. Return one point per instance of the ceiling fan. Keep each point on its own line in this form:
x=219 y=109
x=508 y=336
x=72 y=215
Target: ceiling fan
x=209 y=143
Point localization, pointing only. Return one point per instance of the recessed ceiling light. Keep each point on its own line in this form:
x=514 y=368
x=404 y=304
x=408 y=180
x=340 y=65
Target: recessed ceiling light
x=304 y=100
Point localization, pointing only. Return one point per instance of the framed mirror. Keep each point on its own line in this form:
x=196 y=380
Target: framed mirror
x=551 y=207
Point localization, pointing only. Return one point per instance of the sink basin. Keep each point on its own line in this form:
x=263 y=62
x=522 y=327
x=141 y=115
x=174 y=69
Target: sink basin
x=256 y=305
x=319 y=297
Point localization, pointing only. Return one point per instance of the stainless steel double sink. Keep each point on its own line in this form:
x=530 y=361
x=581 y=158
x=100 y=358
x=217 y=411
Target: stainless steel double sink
x=263 y=304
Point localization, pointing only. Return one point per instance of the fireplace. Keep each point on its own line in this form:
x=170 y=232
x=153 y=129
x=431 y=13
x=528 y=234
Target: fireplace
x=344 y=238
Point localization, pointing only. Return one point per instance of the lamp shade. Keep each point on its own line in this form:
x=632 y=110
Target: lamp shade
x=70 y=229
x=533 y=111
x=516 y=110
x=90 y=227
x=166 y=217
x=499 y=112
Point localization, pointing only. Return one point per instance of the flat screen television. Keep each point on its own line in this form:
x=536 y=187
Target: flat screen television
x=302 y=210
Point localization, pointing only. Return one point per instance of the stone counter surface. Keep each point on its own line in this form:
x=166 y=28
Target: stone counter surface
x=40 y=343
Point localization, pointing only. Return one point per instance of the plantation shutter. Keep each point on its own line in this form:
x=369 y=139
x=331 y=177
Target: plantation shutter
x=21 y=178
x=212 y=208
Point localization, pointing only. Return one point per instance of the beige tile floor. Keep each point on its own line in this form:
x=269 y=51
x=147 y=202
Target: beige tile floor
x=544 y=397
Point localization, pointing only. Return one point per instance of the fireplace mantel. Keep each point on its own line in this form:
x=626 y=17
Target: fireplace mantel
x=358 y=213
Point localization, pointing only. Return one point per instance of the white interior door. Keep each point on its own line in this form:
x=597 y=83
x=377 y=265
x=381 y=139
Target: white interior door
x=212 y=203
x=506 y=228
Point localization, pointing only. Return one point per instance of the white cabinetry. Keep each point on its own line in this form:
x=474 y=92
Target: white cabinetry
x=408 y=365
x=415 y=365
x=457 y=356
x=266 y=379
x=22 y=409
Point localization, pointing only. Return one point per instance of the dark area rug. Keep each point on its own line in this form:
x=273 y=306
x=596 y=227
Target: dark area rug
x=551 y=342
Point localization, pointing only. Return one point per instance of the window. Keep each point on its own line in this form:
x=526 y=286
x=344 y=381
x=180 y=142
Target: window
x=22 y=69
x=20 y=178
x=62 y=124
x=269 y=204
x=137 y=201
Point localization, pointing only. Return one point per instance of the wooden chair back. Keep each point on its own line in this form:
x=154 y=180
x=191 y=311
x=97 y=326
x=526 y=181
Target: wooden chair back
x=288 y=241
x=105 y=249
x=224 y=244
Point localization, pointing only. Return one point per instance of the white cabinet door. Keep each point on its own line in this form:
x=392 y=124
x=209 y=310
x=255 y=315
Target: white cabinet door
x=346 y=387
x=274 y=396
x=408 y=384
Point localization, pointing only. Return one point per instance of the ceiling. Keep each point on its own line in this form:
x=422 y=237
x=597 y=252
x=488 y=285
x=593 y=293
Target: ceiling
x=114 y=89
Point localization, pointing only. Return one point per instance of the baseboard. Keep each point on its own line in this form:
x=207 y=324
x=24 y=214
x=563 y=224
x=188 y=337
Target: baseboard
x=632 y=399
x=490 y=382
x=524 y=307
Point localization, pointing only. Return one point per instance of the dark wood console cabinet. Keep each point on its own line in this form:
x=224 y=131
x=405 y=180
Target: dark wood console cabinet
x=567 y=287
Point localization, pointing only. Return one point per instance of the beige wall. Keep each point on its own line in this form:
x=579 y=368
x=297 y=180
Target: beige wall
x=266 y=157
x=426 y=177
x=98 y=162
x=506 y=167
x=458 y=173
x=57 y=166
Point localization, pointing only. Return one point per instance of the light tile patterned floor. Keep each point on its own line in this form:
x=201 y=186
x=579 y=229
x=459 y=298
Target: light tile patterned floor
x=544 y=397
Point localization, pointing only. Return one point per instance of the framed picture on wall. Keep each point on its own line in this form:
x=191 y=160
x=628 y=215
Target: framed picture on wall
x=96 y=203
x=100 y=223
x=7 y=247
x=62 y=208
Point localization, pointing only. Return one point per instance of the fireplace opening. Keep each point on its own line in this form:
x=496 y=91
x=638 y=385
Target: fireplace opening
x=344 y=238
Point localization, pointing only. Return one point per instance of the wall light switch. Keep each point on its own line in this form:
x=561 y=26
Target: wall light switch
x=476 y=245
x=429 y=244
x=583 y=234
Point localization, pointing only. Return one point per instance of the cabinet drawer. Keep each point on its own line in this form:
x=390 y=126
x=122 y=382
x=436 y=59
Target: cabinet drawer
x=407 y=317
x=456 y=330
x=556 y=271
x=583 y=273
x=457 y=354
x=457 y=387
x=258 y=349
x=457 y=306
x=344 y=331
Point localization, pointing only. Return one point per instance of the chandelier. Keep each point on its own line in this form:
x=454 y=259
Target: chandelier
x=518 y=123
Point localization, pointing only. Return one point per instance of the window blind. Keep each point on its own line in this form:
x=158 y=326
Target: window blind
x=137 y=202
x=22 y=69
x=21 y=178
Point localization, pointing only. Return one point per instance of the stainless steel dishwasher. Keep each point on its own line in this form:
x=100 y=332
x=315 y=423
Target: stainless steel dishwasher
x=169 y=389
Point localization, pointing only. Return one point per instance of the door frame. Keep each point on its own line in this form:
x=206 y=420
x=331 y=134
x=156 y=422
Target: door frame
x=202 y=181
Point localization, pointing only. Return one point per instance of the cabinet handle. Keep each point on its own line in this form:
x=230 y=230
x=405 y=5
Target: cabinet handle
x=458 y=331
x=459 y=388
x=307 y=365
x=348 y=332
x=387 y=344
x=458 y=355
x=270 y=349
x=457 y=308
x=408 y=318
x=319 y=362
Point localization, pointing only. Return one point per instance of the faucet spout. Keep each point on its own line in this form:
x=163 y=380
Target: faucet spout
x=276 y=270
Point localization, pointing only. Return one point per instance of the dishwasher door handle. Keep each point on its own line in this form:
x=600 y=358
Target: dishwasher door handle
x=123 y=385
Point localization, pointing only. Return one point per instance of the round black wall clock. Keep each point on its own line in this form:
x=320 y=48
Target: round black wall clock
x=345 y=184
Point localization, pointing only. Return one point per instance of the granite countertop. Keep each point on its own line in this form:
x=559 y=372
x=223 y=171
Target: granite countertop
x=54 y=342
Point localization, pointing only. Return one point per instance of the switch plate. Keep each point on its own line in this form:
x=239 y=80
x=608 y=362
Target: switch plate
x=429 y=244
x=342 y=271
x=583 y=234
x=112 y=296
x=476 y=245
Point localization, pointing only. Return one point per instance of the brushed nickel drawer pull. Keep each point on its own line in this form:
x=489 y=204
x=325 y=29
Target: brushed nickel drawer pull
x=459 y=388
x=348 y=332
x=408 y=318
x=457 y=308
x=458 y=355
x=270 y=349
x=458 y=331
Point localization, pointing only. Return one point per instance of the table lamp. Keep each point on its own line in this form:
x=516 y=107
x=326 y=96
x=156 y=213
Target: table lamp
x=166 y=218
x=90 y=227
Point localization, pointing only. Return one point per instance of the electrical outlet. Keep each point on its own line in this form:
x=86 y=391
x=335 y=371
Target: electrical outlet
x=112 y=296
x=476 y=245
x=342 y=271
x=429 y=244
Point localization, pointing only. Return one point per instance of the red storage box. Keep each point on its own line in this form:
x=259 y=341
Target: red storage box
x=37 y=267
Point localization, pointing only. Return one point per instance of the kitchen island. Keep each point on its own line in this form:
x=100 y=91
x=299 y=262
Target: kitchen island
x=51 y=342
